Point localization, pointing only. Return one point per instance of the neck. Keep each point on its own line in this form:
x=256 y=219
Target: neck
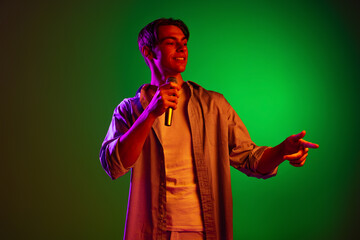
x=158 y=79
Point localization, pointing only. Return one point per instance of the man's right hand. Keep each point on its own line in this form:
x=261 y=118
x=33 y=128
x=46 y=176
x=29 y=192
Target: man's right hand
x=166 y=96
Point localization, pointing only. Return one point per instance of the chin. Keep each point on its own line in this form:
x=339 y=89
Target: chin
x=176 y=69
x=181 y=69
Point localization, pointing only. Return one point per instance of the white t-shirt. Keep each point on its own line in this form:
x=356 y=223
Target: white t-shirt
x=182 y=197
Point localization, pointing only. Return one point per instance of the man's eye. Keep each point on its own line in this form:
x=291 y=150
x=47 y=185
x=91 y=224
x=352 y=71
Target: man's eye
x=169 y=43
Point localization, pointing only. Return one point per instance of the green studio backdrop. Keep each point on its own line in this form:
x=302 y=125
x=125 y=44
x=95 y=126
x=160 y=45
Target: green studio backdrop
x=285 y=66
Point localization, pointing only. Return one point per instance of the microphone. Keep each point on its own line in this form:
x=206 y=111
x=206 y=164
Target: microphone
x=169 y=111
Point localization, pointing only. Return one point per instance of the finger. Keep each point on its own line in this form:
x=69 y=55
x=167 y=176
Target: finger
x=298 y=136
x=294 y=156
x=307 y=144
x=174 y=85
x=170 y=92
x=173 y=99
x=300 y=160
x=299 y=163
x=169 y=104
x=174 y=92
x=169 y=85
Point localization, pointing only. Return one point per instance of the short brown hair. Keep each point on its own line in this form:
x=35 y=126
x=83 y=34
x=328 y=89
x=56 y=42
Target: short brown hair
x=148 y=35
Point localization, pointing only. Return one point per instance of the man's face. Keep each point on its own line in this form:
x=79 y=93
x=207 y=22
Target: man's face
x=171 y=52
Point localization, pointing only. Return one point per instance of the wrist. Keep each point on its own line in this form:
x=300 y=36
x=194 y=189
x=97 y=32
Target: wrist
x=150 y=115
x=278 y=153
x=281 y=150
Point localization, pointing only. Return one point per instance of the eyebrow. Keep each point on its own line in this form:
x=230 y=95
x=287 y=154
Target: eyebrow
x=173 y=38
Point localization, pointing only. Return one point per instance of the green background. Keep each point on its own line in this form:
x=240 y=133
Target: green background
x=285 y=66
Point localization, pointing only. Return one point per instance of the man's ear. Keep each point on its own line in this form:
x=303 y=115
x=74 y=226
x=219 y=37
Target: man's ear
x=147 y=53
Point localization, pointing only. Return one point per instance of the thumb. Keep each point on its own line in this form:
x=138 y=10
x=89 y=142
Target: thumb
x=298 y=136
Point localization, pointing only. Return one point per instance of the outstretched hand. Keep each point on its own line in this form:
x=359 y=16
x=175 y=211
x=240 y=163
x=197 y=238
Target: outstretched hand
x=295 y=149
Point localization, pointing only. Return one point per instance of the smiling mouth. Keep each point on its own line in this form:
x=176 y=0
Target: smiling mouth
x=180 y=58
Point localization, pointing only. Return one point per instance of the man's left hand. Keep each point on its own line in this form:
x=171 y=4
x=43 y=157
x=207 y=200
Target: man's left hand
x=295 y=149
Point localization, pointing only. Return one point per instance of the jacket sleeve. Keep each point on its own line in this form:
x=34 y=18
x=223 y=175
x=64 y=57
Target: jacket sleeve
x=244 y=155
x=109 y=156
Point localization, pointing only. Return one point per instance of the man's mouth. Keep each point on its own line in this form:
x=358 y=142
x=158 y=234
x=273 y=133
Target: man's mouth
x=180 y=59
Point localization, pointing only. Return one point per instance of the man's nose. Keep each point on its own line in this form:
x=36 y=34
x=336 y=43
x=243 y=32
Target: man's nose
x=180 y=47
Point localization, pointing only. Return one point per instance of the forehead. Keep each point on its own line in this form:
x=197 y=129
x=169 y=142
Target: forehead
x=166 y=31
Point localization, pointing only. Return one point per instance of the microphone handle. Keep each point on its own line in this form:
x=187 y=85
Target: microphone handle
x=169 y=111
x=168 y=116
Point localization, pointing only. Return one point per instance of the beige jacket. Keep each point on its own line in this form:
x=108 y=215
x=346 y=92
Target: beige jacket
x=219 y=139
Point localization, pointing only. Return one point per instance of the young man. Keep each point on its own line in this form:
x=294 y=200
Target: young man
x=180 y=174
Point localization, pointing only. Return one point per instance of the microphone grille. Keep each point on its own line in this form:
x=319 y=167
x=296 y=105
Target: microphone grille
x=171 y=79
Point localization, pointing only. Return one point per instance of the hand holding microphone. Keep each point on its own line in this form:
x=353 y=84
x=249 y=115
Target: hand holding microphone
x=165 y=100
